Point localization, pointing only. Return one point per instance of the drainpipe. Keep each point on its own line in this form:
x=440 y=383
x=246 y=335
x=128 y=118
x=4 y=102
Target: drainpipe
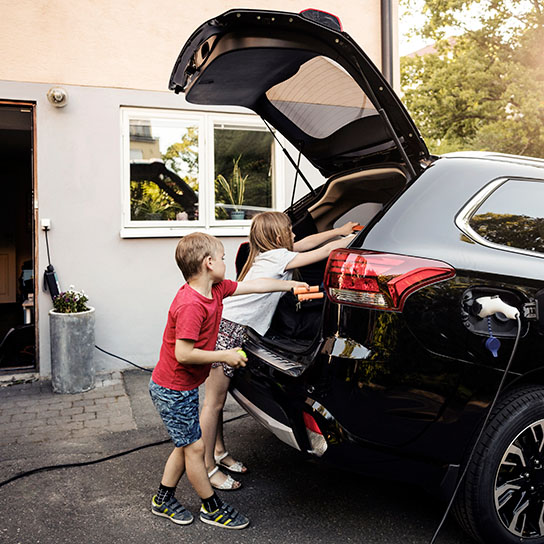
x=387 y=40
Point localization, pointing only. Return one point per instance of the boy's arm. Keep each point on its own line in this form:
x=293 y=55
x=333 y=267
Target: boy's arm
x=266 y=285
x=187 y=354
x=315 y=240
x=316 y=255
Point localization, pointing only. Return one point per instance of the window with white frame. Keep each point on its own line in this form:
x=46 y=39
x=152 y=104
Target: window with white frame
x=198 y=171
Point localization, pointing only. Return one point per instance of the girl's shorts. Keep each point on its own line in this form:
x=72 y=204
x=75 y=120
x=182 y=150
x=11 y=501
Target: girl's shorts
x=231 y=335
x=179 y=413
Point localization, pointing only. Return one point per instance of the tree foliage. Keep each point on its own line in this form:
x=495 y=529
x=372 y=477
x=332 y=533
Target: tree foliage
x=511 y=230
x=482 y=87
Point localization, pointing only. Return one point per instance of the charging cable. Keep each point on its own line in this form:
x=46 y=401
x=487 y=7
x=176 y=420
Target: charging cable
x=485 y=307
x=95 y=461
x=122 y=359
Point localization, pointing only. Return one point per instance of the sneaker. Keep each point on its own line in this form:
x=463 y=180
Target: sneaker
x=225 y=516
x=172 y=510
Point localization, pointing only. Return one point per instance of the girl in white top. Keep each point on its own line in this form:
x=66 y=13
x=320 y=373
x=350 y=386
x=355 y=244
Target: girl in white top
x=272 y=254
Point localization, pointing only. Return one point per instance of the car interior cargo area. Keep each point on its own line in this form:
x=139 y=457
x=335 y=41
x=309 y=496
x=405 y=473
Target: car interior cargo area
x=357 y=197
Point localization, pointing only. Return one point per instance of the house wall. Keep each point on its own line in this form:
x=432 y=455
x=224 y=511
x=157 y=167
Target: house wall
x=108 y=55
x=134 y=44
x=130 y=282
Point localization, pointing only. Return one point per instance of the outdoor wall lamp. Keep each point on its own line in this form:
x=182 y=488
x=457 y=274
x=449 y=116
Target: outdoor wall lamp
x=57 y=96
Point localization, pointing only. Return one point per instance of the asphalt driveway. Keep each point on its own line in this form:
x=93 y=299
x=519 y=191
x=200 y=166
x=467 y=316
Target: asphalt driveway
x=287 y=498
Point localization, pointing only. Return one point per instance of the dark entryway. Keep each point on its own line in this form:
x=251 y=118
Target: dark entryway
x=17 y=266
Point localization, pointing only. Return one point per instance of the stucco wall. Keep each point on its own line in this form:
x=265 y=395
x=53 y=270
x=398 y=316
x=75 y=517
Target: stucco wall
x=133 y=44
x=130 y=282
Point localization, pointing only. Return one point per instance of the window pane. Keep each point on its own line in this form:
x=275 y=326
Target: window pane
x=321 y=98
x=513 y=216
x=243 y=172
x=163 y=170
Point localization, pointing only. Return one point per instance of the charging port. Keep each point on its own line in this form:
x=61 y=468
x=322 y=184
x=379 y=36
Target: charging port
x=503 y=325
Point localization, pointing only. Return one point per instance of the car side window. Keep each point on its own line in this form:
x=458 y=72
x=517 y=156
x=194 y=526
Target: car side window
x=513 y=216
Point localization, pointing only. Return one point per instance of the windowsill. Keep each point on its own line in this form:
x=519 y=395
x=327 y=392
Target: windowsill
x=178 y=232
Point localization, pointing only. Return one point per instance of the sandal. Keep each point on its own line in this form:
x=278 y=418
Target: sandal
x=230 y=484
x=237 y=466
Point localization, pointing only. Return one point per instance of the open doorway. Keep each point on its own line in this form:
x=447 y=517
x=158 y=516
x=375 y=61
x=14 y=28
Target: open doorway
x=17 y=227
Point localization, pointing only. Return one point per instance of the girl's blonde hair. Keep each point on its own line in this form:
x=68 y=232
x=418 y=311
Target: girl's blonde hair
x=269 y=230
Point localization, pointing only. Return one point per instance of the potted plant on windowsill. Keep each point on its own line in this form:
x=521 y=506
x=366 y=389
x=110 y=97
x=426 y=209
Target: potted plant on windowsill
x=71 y=325
x=235 y=188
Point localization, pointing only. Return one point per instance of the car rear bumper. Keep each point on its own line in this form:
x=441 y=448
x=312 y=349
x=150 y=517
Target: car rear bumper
x=281 y=430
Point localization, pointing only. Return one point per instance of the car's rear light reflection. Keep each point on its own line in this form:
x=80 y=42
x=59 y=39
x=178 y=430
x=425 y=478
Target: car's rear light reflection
x=315 y=436
x=379 y=280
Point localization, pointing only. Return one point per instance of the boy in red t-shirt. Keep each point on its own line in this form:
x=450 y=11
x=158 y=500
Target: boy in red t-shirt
x=187 y=352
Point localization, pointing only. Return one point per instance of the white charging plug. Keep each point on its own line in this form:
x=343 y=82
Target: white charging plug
x=493 y=305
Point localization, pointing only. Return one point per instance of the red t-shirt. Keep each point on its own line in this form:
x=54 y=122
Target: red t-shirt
x=192 y=316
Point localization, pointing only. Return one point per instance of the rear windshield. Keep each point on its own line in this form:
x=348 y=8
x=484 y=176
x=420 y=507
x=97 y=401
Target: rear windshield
x=321 y=98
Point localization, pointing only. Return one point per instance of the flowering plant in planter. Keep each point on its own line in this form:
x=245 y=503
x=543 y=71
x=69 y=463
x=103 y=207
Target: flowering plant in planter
x=70 y=301
x=72 y=341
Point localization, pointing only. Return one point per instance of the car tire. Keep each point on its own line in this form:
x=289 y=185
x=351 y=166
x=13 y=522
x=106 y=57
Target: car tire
x=502 y=496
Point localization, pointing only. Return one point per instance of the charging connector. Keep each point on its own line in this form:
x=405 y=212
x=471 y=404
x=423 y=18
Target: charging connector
x=486 y=306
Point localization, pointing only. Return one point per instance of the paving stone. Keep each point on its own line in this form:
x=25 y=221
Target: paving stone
x=26 y=402
x=83 y=402
x=84 y=417
x=103 y=400
x=73 y=425
x=10 y=411
x=32 y=412
x=49 y=413
x=96 y=423
x=22 y=416
x=98 y=411
x=75 y=410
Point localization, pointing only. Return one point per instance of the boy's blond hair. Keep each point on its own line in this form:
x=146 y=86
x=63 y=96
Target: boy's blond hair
x=192 y=250
x=269 y=230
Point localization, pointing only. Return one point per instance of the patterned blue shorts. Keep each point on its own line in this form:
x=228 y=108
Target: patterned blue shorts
x=179 y=413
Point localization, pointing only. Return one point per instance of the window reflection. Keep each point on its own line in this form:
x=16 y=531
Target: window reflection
x=163 y=170
x=513 y=216
x=243 y=170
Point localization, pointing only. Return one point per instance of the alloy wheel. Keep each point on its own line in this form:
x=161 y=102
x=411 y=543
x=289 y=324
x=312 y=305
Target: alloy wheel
x=519 y=483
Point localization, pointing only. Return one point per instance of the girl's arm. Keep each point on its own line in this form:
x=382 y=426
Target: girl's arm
x=266 y=285
x=187 y=354
x=315 y=240
x=316 y=255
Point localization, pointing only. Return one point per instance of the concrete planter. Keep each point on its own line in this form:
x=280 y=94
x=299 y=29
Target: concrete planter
x=72 y=351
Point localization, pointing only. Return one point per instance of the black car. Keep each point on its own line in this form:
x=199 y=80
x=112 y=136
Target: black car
x=394 y=371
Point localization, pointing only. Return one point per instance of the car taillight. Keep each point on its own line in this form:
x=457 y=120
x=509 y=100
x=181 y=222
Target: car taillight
x=379 y=280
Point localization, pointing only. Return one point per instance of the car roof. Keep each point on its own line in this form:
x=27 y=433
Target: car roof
x=501 y=157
